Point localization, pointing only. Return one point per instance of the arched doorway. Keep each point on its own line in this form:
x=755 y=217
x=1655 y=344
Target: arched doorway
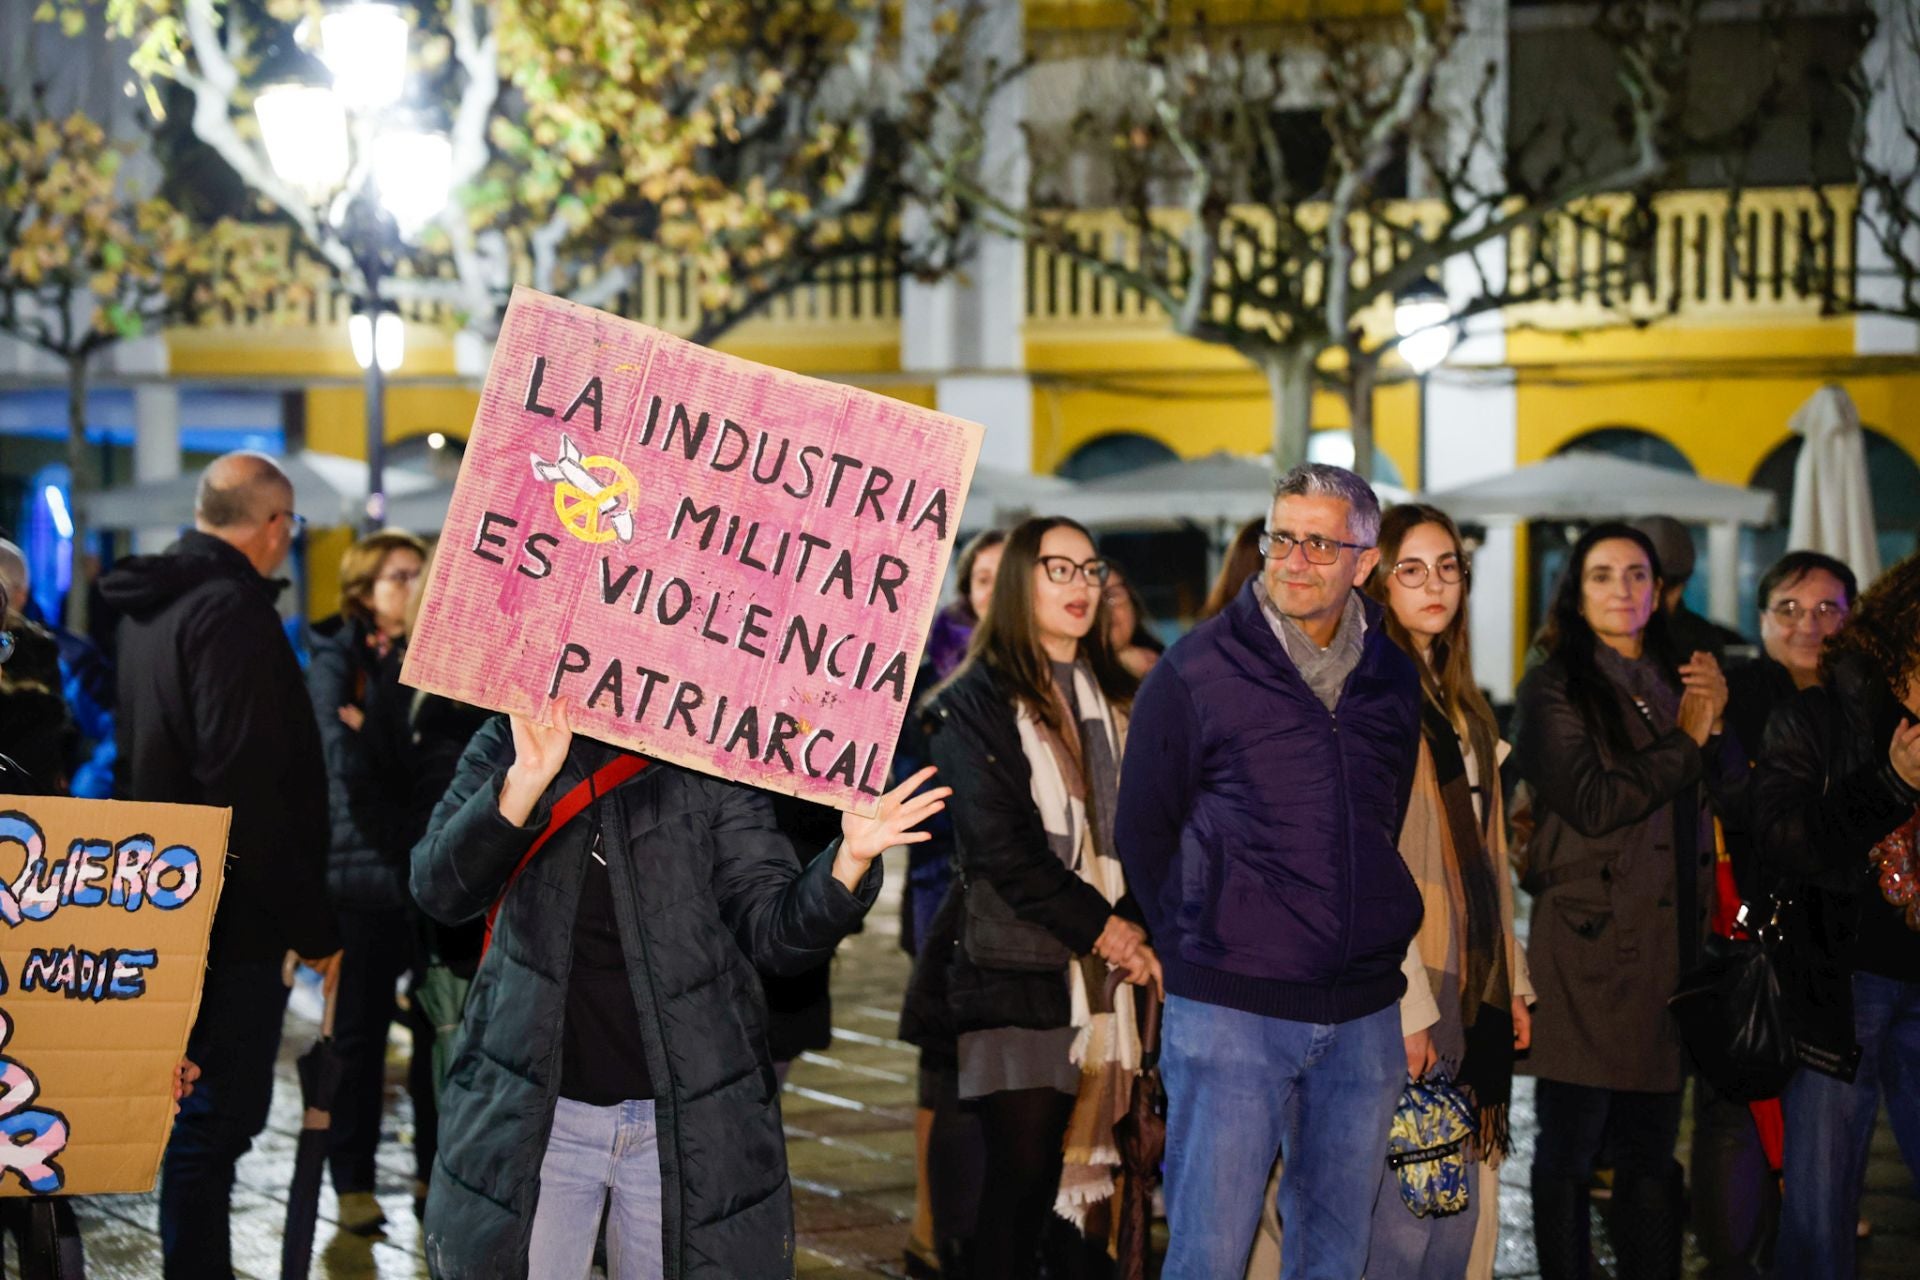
x=1169 y=567
x=1893 y=479
x=1549 y=541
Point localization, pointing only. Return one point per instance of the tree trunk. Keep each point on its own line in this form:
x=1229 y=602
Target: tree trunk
x=1290 y=385
x=1362 y=370
x=80 y=481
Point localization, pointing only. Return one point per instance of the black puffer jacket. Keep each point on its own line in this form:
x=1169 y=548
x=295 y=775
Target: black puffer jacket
x=706 y=888
x=213 y=710
x=1824 y=795
x=998 y=839
x=369 y=773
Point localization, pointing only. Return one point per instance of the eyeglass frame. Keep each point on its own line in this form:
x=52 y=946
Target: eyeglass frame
x=1268 y=537
x=400 y=576
x=1461 y=562
x=1834 y=609
x=1097 y=575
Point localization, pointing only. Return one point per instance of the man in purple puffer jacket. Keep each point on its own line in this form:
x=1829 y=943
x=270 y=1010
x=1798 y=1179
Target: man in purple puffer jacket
x=1267 y=771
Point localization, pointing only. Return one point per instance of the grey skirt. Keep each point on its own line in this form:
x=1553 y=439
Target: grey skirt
x=1003 y=1058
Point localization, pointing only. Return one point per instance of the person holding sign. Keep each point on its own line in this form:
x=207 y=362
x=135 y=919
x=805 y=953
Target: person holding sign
x=613 y=1051
x=1030 y=730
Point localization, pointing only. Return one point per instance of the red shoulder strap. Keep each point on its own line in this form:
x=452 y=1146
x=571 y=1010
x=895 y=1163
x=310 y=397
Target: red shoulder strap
x=571 y=805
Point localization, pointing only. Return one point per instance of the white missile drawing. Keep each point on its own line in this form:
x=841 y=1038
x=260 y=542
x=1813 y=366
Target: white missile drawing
x=568 y=470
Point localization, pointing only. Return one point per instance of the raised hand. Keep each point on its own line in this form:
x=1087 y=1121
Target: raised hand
x=894 y=822
x=538 y=752
x=1702 y=680
x=1904 y=752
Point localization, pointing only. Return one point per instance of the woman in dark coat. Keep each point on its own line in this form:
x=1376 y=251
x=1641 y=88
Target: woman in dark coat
x=1837 y=808
x=362 y=709
x=1028 y=730
x=1614 y=737
x=613 y=1051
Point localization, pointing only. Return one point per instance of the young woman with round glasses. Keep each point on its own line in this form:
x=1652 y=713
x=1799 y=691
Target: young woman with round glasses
x=1454 y=843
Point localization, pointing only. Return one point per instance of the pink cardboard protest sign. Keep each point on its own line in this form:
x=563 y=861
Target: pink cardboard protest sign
x=713 y=562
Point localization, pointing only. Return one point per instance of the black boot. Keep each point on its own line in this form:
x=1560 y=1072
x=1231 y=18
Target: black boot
x=1647 y=1223
x=956 y=1259
x=1562 y=1224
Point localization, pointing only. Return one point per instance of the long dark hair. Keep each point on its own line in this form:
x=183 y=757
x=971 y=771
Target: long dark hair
x=985 y=540
x=1143 y=636
x=1243 y=560
x=1884 y=628
x=1448 y=678
x=1007 y=641
x=1567 y=636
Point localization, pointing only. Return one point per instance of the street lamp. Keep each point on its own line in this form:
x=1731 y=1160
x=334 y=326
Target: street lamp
x=380 y=179
x=1422 y=318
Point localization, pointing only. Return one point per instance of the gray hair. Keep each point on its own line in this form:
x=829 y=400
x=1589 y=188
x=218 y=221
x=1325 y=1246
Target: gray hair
x=1319 y=480
x=238 y=489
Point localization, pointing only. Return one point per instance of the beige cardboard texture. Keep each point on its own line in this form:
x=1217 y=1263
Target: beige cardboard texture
x=105 y=910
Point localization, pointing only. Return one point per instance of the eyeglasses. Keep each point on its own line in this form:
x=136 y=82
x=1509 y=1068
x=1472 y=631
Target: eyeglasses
x=399 y=576
x=294 y=518
x=1275 y=545
x=1789 y=612
x=1060 y=570
x=1412 y=572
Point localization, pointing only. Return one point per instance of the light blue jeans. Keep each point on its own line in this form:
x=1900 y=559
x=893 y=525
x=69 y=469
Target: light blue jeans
x=1242 y=1088
x=594 y=1150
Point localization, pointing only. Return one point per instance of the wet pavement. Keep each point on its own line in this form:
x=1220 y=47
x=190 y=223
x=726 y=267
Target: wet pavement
x=849 y=1119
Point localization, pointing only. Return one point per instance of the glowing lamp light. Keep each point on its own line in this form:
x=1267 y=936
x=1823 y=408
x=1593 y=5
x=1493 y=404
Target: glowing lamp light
x=57 y=508
x=436 y=440
x=365 y=47
x=304 y=127
x=413 y=173
x=1420 y=317
x=387 y=341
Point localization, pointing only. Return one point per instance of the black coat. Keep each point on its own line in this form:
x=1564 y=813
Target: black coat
x=369 y=769
x=706 y=890
x=998 y=838
x=1754 y=691
x=1824 y=795
x=213 y=710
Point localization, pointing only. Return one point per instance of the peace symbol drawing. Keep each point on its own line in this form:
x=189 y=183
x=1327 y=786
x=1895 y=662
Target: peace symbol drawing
x=591 y=508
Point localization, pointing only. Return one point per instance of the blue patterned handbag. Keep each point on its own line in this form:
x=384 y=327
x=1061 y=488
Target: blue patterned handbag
x=1427 y=1147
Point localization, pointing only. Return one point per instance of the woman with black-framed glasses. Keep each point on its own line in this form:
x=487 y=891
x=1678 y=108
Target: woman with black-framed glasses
x=1029 y=730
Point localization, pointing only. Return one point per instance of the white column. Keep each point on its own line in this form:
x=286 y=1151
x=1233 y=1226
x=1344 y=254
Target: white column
x=1472 y=408
x=968 y=331
x=1893 y=72
x=1723 y=573
x=156 y=451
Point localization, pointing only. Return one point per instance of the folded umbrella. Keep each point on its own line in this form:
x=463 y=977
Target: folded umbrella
x=320 y=1070
x=1142 y=1137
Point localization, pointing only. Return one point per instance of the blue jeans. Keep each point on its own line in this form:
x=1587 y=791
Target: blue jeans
x=1830 y=1127
x=1242 y=1088
x=1408 y=1247
x=234 y=1041
x=591 y=1151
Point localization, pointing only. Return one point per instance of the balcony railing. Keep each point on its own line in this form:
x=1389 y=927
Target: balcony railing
x=1783 y=253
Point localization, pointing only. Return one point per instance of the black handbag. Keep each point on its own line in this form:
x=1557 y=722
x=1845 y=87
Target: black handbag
x=1733 y=1015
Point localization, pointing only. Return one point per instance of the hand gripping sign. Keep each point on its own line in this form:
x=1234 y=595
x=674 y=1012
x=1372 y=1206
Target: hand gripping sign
x=714 y=562
x=105 y=911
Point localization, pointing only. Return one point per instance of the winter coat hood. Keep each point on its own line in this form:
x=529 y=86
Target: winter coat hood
x=141 y=586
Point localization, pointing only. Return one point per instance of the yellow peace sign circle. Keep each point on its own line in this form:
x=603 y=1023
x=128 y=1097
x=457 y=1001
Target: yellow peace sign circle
x=579 y=511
